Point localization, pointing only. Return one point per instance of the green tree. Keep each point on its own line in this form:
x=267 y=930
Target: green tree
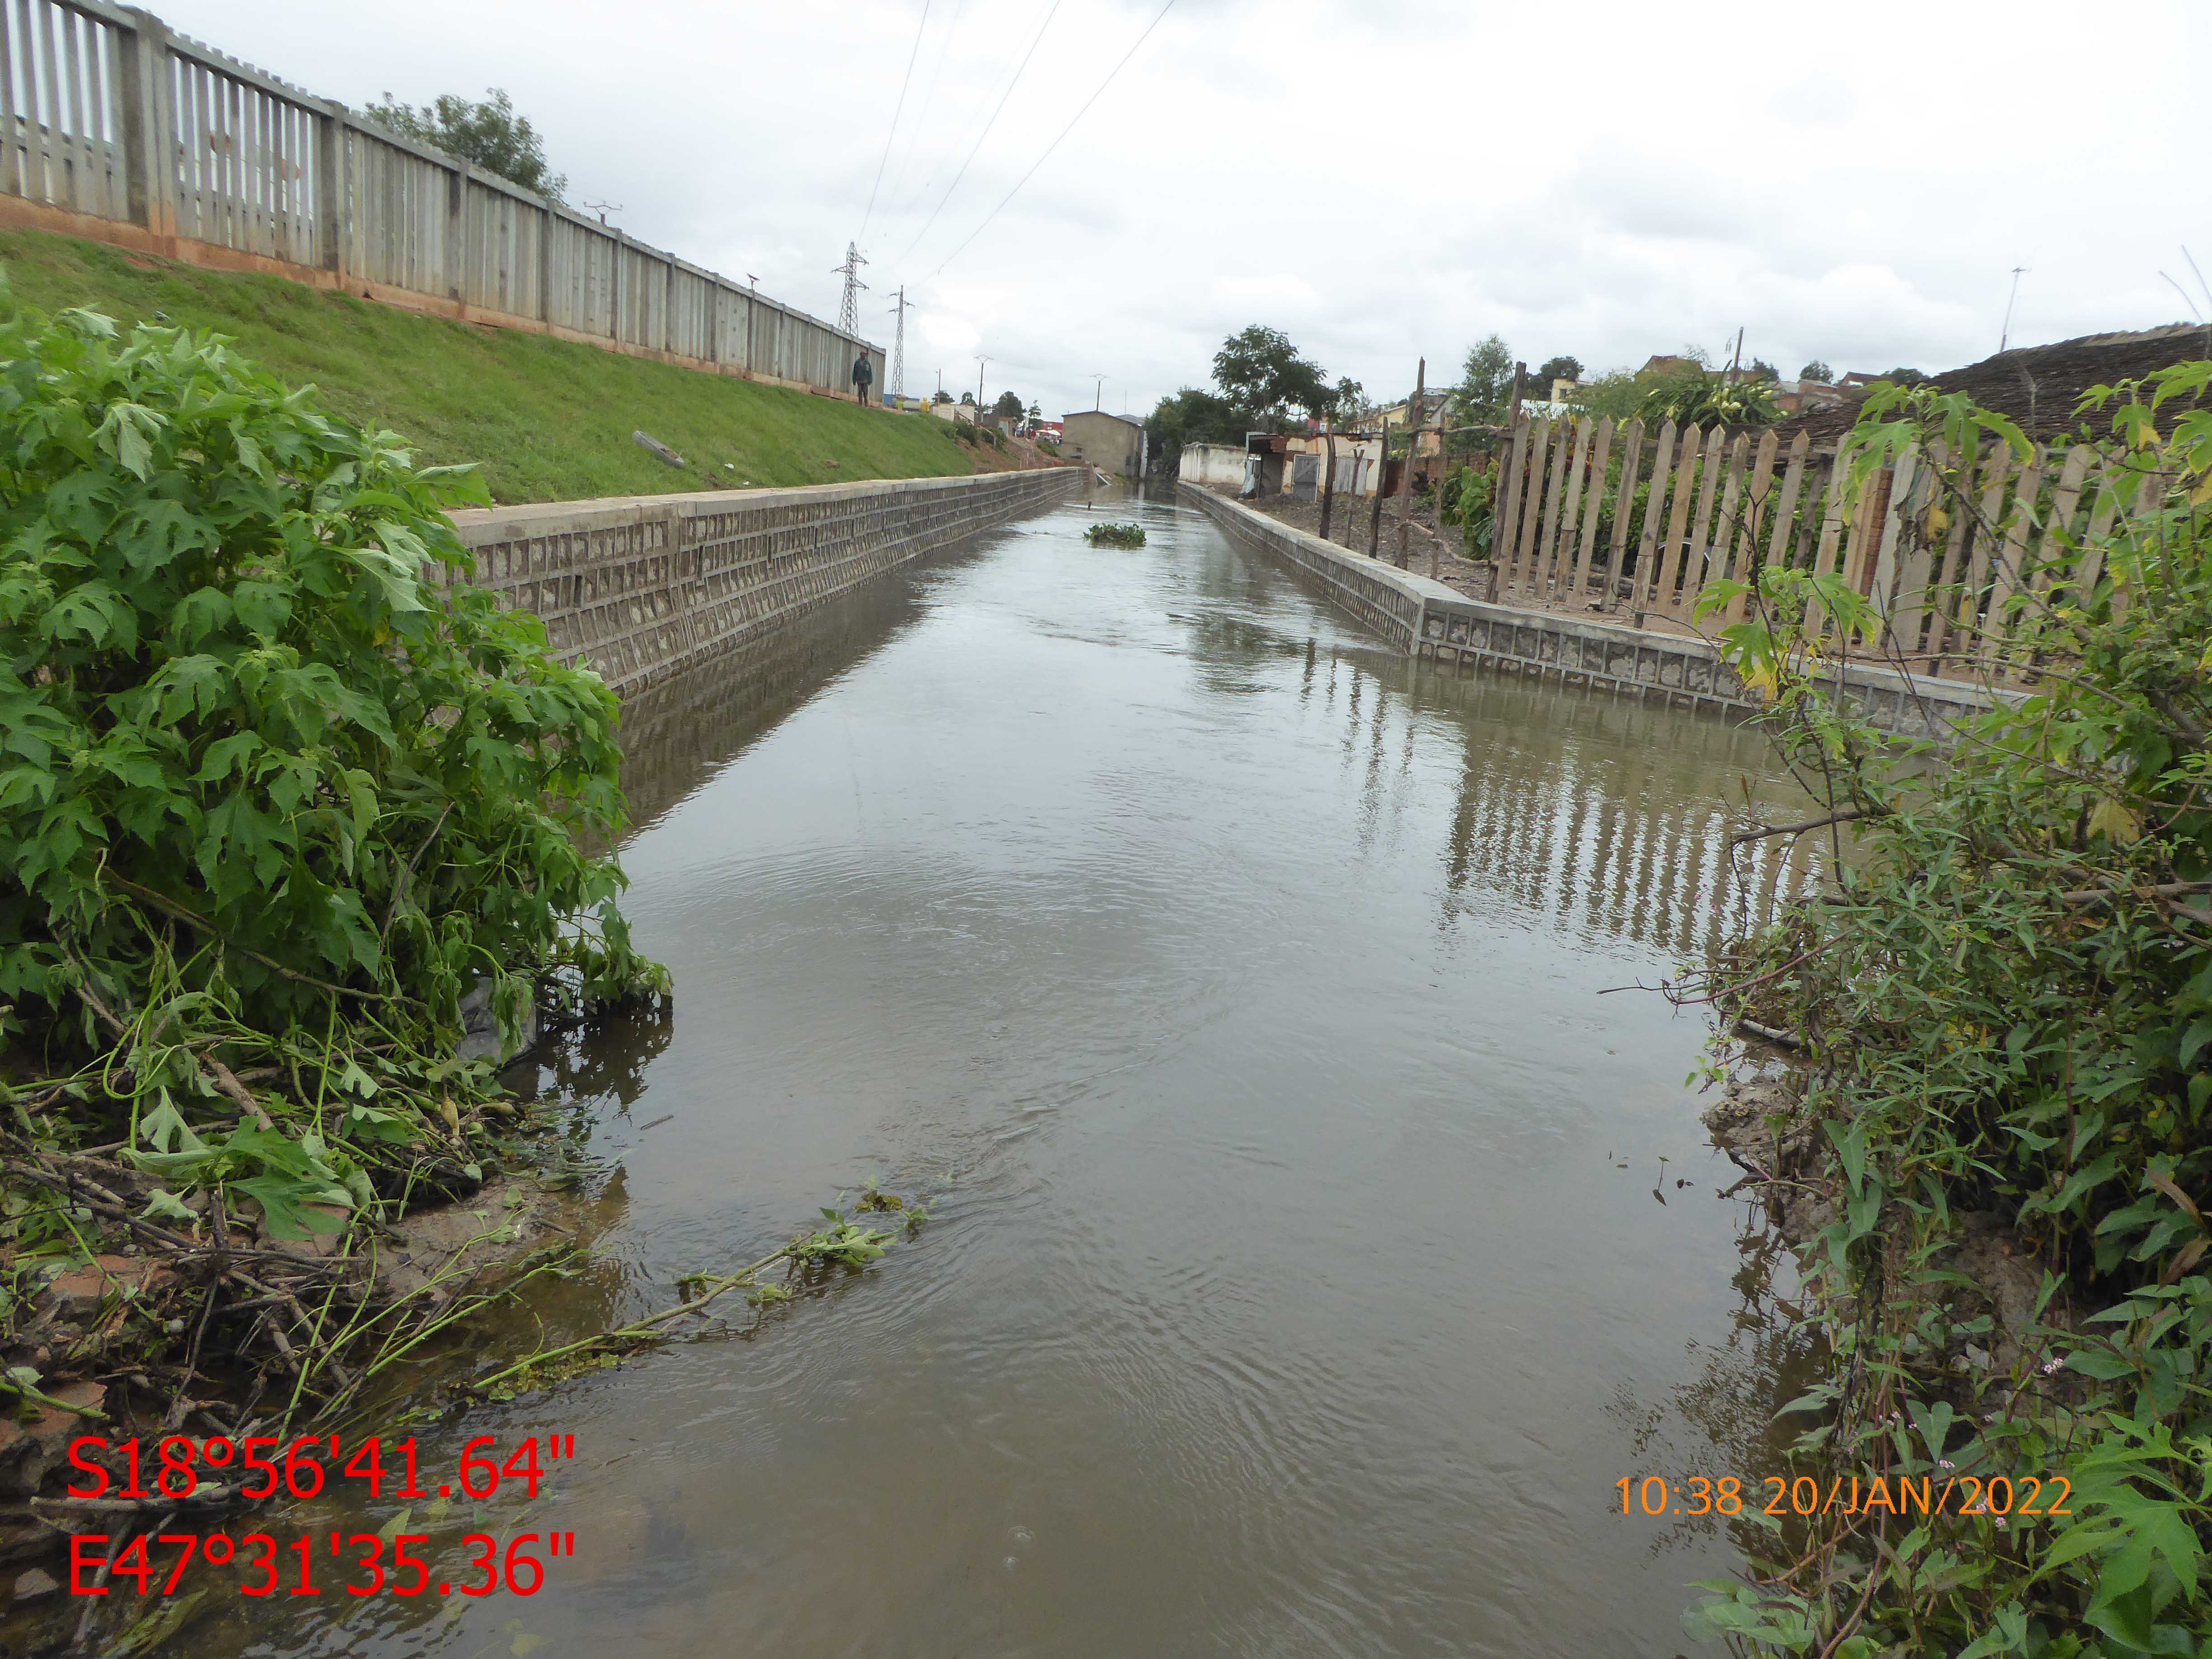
x=1760 y=369
x=490 y=134
x=1558 y=368
x=1486 y=383
x=1260 y=372
x=1348 y=405
x=1037 y=409
x=942 y=396
x=1008 y=403
x=1192 y=416
x=1904 y=377
x=1817 y=370
x=1615 y=393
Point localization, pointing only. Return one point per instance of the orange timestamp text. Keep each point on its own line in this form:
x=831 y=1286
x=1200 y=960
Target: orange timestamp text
x=2031 y=1498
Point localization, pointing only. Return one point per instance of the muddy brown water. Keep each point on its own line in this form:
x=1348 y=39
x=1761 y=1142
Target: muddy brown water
x=1312 y=1247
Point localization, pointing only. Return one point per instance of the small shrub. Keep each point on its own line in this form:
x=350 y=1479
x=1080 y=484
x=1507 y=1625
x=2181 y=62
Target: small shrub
x=2006 y=1010
x=1115 y=535
x=280 y=783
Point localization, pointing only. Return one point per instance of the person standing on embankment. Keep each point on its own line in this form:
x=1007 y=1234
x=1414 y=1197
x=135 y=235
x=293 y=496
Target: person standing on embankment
x=864 y=375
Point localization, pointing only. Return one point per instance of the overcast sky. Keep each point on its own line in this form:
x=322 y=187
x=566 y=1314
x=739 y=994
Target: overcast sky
x=1380 y=179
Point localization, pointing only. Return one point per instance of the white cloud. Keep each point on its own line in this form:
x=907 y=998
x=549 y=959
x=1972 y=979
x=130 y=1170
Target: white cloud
x=1280 y=294
x=1383 y=182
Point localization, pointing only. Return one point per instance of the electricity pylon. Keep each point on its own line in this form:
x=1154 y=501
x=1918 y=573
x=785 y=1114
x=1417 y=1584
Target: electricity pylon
x=848 y=309
x=898 y=351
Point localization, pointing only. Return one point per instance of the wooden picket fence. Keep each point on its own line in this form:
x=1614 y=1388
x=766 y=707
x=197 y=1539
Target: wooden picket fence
x=1954 y=559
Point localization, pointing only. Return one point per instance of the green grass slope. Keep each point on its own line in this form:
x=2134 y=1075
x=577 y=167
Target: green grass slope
x=546 y=419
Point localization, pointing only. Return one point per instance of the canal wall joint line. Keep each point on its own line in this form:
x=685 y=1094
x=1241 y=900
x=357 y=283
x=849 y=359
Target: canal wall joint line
x=1426 y=620
x=642 y=588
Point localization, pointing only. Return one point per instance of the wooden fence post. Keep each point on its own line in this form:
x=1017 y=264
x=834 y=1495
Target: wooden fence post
x=1412 y=447
x=1530 y=510
x=1536 y=578
x=1645 y=591
x=1328 y=484
x=1600 y=455
x=1753 y=509
x=1382 y=477
x=1624 y=508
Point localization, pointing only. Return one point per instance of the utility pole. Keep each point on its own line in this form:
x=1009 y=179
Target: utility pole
x=848 y=309
x=898 y=351
x=2018 y=271
x=1329 y=481
x=1097 y=392
x=1738 y=358
x=1382 y=477
x=980 y=361
x=1413 y=444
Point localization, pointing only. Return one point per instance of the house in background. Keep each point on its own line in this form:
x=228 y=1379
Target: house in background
x=1113 y=443
x=1284 y=463
x=1215 y=466
x=1796 y=397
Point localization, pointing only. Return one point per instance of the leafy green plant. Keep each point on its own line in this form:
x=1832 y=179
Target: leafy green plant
x=1703 y=398
x=1470 y=501
x=279 y=786
x=2006 y=1010
x=1115 y=535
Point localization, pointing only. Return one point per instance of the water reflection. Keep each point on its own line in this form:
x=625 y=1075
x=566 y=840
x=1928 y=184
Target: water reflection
x=1609 y=821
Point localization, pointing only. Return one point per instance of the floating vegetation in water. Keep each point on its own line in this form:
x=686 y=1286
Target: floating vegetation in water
x=839 y=1242
x=1115 y=535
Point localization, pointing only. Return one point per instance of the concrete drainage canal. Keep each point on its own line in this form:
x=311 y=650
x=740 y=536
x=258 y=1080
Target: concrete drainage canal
x=1310 y=1248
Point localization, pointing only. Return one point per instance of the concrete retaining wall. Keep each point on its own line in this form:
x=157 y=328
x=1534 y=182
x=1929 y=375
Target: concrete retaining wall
x=642 y=588
x=1390 y=602
x=1427 y=619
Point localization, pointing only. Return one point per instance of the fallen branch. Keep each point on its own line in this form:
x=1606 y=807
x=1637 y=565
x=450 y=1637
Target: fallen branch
x=2163 y=889
x=1848 y=815
x=642 y=1330
x=227 y=1080
x=1775 y=1034
x=168 y=905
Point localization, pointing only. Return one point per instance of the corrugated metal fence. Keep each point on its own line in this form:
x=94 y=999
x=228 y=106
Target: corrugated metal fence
x=107 y=114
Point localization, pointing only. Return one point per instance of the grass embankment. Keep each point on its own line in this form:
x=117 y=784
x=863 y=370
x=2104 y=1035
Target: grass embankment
x=546 y=419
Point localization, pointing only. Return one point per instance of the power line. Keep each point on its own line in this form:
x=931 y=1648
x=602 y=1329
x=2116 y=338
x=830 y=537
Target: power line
x=902 y=179
x=941 y=163
x=2004 y=335
x=974 y=148
x=897 y=110
x=1054 y=144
